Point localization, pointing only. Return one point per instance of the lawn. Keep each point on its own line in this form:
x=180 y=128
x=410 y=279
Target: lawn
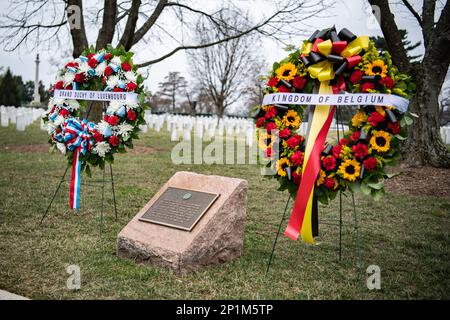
x=406 y=236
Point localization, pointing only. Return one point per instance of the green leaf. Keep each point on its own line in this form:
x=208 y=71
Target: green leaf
x=88 y=171
x=365 y=189
x=376 y=186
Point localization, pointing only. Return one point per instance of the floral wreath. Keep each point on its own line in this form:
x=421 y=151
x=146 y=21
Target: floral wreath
x=86 y=143
x=358 y=160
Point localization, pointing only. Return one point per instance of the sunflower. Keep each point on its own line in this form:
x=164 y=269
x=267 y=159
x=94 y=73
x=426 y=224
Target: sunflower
x=358 y=119
x=380 y=141
x=321 y=177
x=376 y=68
x=287 y=71
x=282 y=164
x=291 y=119
x=265 y=141
x=350 y=170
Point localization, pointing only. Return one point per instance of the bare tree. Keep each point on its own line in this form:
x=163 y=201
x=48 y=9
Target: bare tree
x=226 y=69
x=130 y=22
x=424 y=146
x=173 y=86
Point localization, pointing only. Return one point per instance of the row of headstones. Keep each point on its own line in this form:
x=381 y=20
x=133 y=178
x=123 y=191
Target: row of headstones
x=22 y=117
x=445 y=134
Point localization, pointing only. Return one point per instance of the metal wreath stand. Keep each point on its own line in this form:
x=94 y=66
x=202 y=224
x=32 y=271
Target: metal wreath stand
x=103 y=181
x=315 y=209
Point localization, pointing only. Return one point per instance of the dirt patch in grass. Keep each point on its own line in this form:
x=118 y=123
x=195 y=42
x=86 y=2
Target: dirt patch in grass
x=33 y=148
x=143 y=150
x=426 y=181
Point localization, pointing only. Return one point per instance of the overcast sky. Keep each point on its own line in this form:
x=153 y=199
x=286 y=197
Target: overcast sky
x=353 y=14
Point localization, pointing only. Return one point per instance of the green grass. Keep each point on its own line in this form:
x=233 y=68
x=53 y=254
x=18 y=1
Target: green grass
x=407 y=237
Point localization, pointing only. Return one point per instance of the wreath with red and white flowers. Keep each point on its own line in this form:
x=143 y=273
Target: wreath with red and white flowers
x=109 y=70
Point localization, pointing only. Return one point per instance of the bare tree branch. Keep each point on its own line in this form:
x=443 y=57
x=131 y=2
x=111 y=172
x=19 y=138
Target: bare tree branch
x=79 y=38
x=106 y=33
x=128 y=33
x=141 y=32
x=414 y=12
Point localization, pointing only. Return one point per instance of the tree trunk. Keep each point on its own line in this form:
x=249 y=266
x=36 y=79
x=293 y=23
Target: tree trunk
x=424 y=145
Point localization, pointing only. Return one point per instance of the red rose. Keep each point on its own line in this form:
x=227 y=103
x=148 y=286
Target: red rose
x=329 y=183
x=131 y=115
x=272 y=82
x=294 y=141
x=108 y=71
x=388 y=82
x=108 y=56
x=356 y=76
x=370 y=164
x=299 y=82
x=271 y=112
x=117 y=89
x=126 y=67
x=375 y=118
x=69 y=87
x=355 y=136
x=59 y=85
x=113 y=120
x=297 y=177
x=98 y=137
x=114 y=141
x=297 y=158
x=395 y=127
x=79 y=77
x=92 y=63
x=360 y=150
x=131 y=86
x=329 y=163
x=367 y=86
x=344 y=142
x=336 y=151
x=63 y=112
x=90 y=56
x=285 y=133
x=271 y=126
x=283 y=89
x=260 y=122
x=105 y=117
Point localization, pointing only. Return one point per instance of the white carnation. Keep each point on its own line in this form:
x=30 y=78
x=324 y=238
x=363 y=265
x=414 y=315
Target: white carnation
x=113 y=107
x=59 y=121
x=132 y=106
x=61 y=147
x=102 y=126
x=51 y=128
x=68 y=78
x=100 y=69
x=131 y=76
x=102 y=148
x=112 y=81
x=124 y=129
x=116 y=61
x=83 y=67
x=74 y=104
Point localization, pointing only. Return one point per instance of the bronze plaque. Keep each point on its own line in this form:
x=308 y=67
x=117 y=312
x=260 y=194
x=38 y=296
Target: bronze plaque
x=179 y=208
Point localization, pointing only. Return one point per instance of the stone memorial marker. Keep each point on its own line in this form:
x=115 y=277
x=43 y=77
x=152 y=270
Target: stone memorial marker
x=192 y=222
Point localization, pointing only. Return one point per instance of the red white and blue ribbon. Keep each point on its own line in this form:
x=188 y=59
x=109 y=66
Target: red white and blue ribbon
x=78 y=138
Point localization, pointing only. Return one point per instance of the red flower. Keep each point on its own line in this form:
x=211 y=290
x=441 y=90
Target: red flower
x=113 y=120
x=375 y=118
x=395 y=127
x=355 y=136
x=271 y=126
x=283 y=89
x=72 y=65
x=356 y=76
x=92 y=63
x=117 y=89
x=294 y=141
x=63 y=112
x=367 y=86
x=297 y=177
x=329 y=163
x=268 y=152
x=285 y=133
x=260 y=122
x=114 y=141
x=69 y=87
x=297 y=158
x=126 y=66
x=271 y=112
x=272 y=82
x=59 y=85
x=104 y=79
x=388 y=82
x=79 y=77
x=336 y=151
x=344 y=142
x=108 y=56
x=98 y=137
x=105 y=117
x=131 y=86
x=90 y=56
x=131 y=115
x=370 y=164
x=299 y=82
x=108 y=71
x=360 y=150
x=329 y=183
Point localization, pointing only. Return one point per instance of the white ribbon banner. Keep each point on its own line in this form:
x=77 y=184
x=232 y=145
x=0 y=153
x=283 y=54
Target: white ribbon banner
x=127 y=97
x=350 y=99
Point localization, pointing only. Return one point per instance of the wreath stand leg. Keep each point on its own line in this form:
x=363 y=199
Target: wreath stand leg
x=54 y=196
x=278 y=235
x=113 y=191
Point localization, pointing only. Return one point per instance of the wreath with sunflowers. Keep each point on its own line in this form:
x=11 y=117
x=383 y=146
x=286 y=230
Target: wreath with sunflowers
x=359 y=159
